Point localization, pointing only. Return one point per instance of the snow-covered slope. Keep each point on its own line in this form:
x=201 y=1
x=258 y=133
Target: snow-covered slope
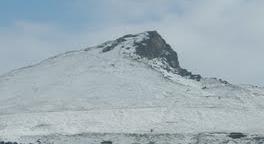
x=134 y=84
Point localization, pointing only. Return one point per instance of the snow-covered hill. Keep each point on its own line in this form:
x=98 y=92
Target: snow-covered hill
x=134 y=84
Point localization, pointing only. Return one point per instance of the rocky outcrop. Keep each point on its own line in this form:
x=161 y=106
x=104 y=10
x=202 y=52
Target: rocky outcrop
x=156 y=47
x=151 y=47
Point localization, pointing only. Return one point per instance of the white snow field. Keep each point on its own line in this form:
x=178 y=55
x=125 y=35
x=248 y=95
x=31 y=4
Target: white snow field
x=117 y=91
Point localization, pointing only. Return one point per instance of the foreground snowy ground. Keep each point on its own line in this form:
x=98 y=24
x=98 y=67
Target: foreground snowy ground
x=150 y=138
x=141 y=120
x=73 y=97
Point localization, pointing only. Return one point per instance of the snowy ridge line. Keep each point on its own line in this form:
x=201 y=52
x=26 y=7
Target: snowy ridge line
x=59 y=56
x=39 y=63
x=68 y=53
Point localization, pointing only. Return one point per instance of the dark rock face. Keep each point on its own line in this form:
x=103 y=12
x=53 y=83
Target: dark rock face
x=185 y=73
x=114 y=44
x=156 y=47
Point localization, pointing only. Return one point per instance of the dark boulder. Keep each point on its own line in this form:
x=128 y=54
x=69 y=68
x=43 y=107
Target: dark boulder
x=236 y=135
x=106 y=142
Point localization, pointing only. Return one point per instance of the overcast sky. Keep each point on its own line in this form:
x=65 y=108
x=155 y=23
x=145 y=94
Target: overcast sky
x=216 y=38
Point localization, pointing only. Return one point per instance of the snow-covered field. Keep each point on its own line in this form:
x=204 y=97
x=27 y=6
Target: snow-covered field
x=135 y=138
x=90 y=91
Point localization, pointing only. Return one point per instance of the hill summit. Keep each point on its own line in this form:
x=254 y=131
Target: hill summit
x=151 y=48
